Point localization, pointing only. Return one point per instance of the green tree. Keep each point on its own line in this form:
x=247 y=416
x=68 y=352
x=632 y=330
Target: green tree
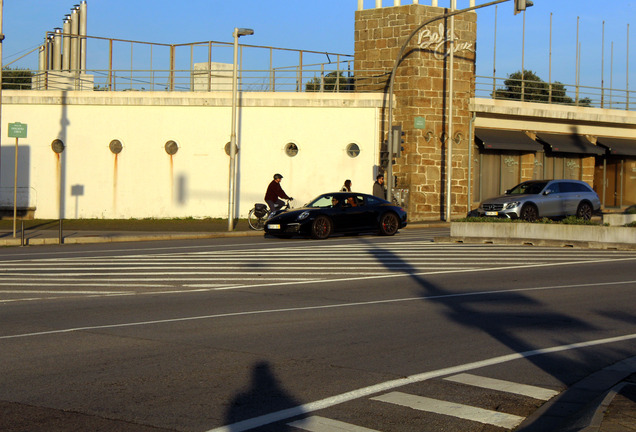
x=16 y=79
x=535 y=90
x=333 y=81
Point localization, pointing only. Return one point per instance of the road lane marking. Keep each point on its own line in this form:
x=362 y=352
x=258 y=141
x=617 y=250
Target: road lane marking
x=304 y=308
x=453 y=409
x=322 y=424
x=429 y=273
x=504 y=386
x=400 y=382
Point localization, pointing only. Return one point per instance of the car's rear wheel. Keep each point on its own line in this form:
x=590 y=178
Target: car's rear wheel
x=321 y=228
x=529 y=212
x=584 y=211
x=389 y=224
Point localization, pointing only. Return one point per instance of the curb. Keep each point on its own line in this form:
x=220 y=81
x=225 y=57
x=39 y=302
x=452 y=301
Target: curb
x=116 y=238
x=582 y=406
x=113 y=237
x=537 y=242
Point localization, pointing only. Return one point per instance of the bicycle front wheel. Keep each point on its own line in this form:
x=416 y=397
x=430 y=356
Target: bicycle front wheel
x=256 y=223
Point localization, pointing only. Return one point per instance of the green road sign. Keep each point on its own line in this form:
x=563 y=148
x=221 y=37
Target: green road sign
x=420 y=123
x=17 y=130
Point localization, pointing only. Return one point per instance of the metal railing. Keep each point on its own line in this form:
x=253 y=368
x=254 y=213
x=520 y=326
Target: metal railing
x=125 y=65
x=554 y=93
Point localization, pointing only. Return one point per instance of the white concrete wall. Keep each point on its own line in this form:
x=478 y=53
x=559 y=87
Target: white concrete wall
x=143 y=181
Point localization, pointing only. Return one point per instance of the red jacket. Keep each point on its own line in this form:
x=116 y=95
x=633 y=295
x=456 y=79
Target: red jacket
x=274 y=191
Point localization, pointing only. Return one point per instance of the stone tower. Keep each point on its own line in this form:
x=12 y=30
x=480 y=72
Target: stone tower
x=422 y=88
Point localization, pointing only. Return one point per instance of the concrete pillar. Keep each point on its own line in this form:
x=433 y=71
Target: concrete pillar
x=74 y=41
x=57 y=49
x=66 y=44
x=82 y=33
x=360 y=4
x=378 y=3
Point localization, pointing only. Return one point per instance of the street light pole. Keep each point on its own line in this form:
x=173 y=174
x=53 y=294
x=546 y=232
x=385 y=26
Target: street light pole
x=389 y=181
x=238 y=32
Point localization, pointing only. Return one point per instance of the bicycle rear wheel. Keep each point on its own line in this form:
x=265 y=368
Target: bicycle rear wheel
x=256 y=223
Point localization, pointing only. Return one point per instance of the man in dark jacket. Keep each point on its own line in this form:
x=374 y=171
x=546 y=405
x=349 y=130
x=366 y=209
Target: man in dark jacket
x=274 y=192
x=378 y=187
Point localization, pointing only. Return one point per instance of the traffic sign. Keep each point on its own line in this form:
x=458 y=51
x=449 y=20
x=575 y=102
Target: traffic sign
x=17 y=130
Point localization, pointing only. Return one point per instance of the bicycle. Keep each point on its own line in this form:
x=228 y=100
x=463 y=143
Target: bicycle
x=259 y=215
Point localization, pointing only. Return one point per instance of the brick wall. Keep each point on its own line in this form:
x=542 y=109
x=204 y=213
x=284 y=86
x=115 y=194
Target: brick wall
x=421 y=90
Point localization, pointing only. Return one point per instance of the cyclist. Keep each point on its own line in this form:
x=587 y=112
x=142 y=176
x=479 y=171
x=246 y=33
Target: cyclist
x=274 y=192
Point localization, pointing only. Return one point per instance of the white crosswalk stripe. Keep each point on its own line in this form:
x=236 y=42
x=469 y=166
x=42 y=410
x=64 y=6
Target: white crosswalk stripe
x=465 y=412
x=442 y=407
x=504 y=386
x=305 y=262
x=322 y=424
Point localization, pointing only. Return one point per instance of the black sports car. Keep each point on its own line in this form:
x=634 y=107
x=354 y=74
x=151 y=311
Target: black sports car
x=338 y=212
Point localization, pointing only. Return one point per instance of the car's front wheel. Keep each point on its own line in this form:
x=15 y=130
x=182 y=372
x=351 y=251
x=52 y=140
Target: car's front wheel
x=389 y=224
x=321 y=228
x=529 y=213
x=584 y=211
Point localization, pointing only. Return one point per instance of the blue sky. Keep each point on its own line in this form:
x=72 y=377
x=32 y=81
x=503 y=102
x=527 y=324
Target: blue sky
x=328 y=25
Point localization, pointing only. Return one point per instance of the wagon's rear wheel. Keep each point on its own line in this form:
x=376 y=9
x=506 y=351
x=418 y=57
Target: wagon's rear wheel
x=529 y=212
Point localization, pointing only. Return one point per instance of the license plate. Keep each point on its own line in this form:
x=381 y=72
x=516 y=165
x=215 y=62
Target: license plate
x=491 y=213
x=273 y=226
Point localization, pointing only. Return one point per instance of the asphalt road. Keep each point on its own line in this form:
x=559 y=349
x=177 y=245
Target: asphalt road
x=373 y=333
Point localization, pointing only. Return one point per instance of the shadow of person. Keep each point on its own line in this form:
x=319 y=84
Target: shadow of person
x=265 y=402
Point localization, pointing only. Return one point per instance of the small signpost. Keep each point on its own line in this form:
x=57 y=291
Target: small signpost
x=16 y=130
x=419 y=123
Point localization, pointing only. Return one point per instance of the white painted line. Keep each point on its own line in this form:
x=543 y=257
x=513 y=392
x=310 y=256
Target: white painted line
x=457 y=410
x=390 y=385
x=61 y=292
x=428 y=273
x=504 y=386
x=306 y=308
x=322 y=424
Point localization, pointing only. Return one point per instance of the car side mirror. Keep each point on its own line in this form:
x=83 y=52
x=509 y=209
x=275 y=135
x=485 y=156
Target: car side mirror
x=507 y=192
x=548 y=192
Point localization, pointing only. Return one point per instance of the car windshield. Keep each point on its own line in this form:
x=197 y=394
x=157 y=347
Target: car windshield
x=322 y=201
x=533 y=188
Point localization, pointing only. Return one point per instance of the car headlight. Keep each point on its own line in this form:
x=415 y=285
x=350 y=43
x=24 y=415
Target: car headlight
x=512 y=205
x=303 y=215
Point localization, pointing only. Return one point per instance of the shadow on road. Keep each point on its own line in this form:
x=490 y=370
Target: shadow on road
x=489 y=313
x=264 y=397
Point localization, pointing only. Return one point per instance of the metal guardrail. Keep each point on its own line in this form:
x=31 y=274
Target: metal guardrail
x=124 y=65
x=554 y=93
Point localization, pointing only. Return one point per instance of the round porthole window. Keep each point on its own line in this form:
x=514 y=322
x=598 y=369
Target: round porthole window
x=57 y=146
x=291 y=149
x=171 y=147
x=115 y=146
x=227 y=148
x=353 y=150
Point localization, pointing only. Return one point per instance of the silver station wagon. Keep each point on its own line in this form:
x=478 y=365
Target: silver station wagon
x=536 y=199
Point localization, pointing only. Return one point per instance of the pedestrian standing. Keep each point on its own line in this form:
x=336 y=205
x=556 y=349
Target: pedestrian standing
x=378 y=187
x=346 y=187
